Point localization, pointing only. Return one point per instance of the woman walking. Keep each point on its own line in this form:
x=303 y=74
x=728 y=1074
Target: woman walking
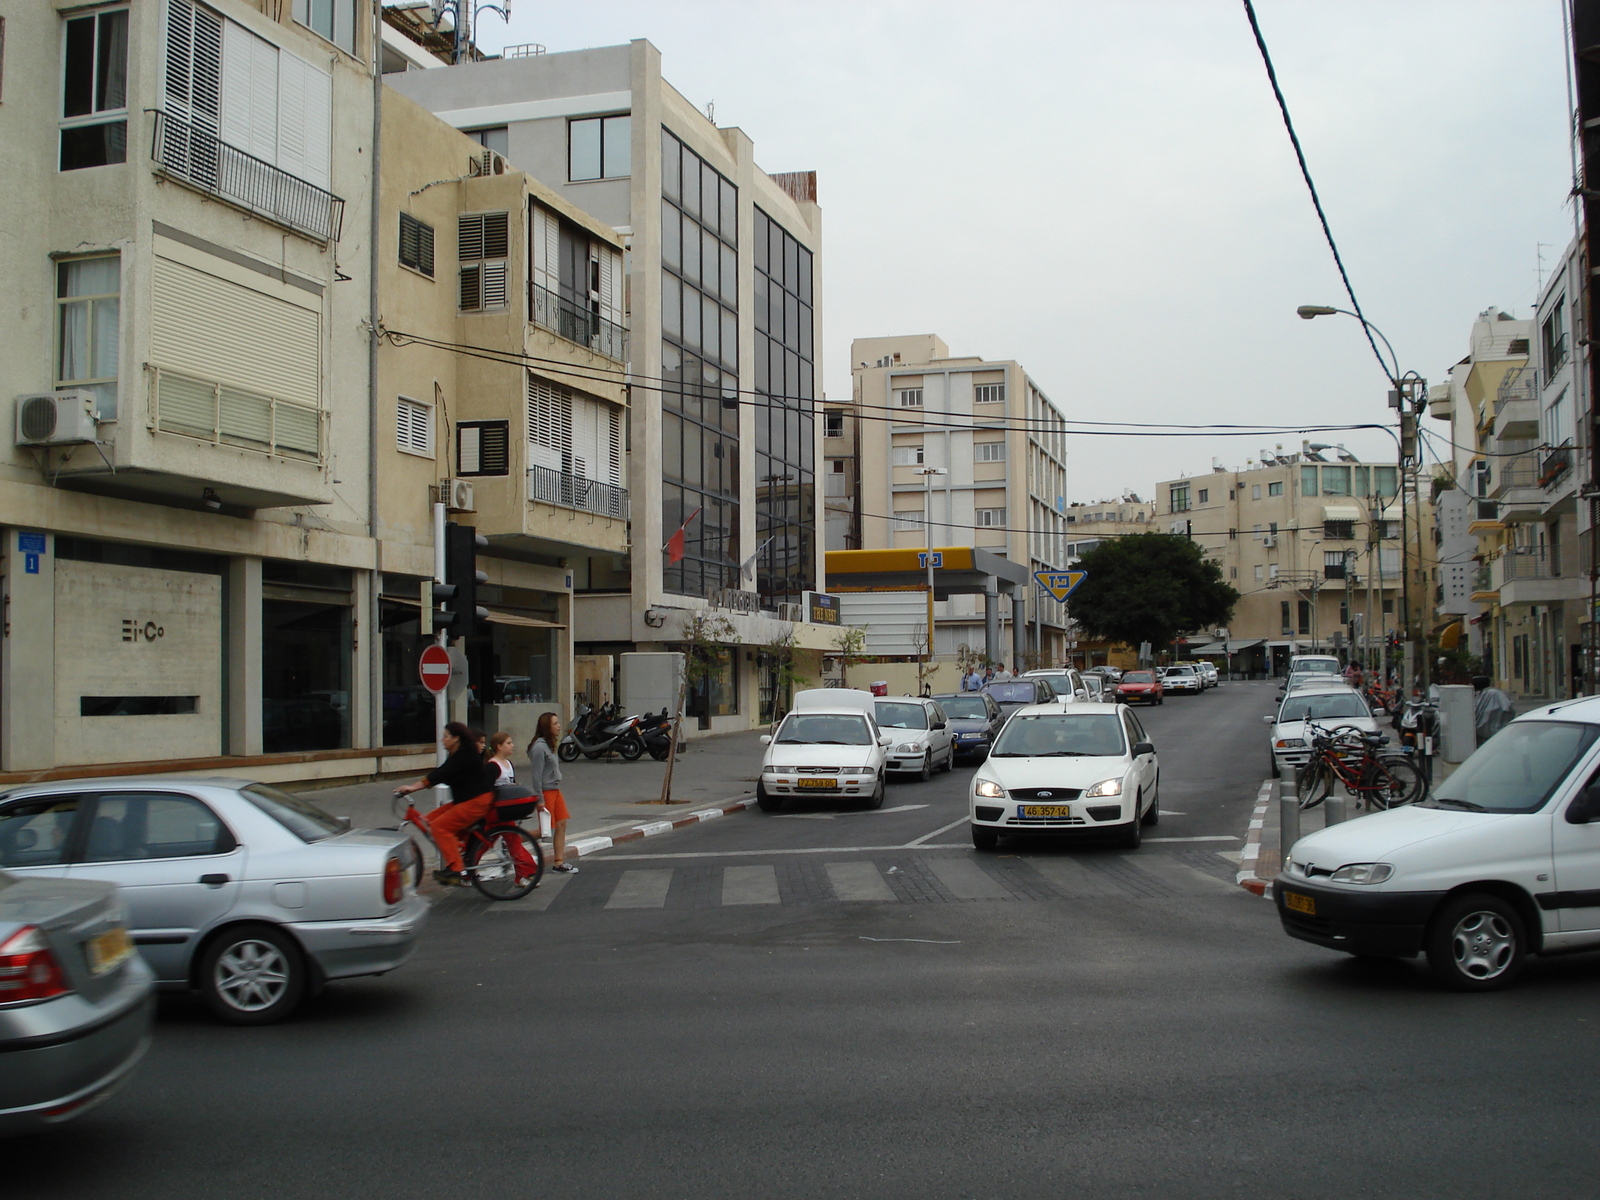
x=471 y=782
x=546 y=781
x=500 y=759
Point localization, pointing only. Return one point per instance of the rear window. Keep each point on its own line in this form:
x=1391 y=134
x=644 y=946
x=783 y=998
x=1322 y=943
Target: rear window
x=1139 y=677
x=894 y=715
x=1340 y=704
x=300 y=817
x=824 y=729
x=1012 y=693
x=966 y=707
x=1314 y=668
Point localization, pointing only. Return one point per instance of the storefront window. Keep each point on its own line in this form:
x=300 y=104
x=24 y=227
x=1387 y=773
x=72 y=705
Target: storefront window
x=408 y=708
x=305 y=657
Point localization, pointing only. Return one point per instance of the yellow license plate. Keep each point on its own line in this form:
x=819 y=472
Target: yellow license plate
x=109 y=950
x=1045 y=810
x=818 y=783
x=1299 y=903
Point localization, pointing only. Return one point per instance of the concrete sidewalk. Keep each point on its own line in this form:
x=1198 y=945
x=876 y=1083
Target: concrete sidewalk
x=604 y=796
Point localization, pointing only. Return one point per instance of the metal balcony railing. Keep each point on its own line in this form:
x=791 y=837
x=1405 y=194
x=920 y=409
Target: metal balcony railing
x=1554 y=465
x=1483 y=579
x=1522 y=383
x=1532 y=563
x=575 y=491
x=577 y=323
x=229 y=416
x=198 y=157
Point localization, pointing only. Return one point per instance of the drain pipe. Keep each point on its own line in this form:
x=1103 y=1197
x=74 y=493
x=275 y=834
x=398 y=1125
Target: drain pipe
x=374 y=231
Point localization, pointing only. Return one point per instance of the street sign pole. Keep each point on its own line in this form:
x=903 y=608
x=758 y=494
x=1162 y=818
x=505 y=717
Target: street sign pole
x=441 y=702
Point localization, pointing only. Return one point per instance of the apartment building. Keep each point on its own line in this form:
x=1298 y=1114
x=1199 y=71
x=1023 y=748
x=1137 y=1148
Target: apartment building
x=998 y=446
x=187 y=499
x=721 y=285
x=1090 y=524
x=1311 y=540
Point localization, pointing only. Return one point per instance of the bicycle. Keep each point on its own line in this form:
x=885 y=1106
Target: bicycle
x=1352 y=757
x=503 y=860
x=1388 y=699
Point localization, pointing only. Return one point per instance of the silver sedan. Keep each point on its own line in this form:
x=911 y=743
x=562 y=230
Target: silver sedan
x=250 y=896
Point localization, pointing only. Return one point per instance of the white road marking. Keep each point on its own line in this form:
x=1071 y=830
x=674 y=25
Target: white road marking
x=1210 y=837
x=806 y=816
x=857 y=881
x=967 y=880
x=878 y=812
x=750 y=885
x=641 y=889
x=543 y=896
x=943 y=829
x=926 y=941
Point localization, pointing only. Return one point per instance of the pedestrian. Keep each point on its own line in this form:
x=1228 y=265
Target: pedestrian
x=500 y=758
x=1003 y=675
x=1492 y=709
x=471 y=782
x=546 y=782
x=973 y=682
x=988 y=674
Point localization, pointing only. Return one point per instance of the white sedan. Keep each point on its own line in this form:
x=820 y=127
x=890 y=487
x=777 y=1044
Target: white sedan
x=923 y=742
x=1067 y=769
x=1330 y=706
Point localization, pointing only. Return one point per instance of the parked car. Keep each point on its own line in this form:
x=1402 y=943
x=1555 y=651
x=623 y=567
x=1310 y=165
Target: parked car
x=1182 y=679
x=1320 y=665
x=1142 y=687
x=1502 y=861
x=975 y=721
x=76 y=1000
x=1067 y=769
x=923 y=742
x=1064 y=681
x=247 y=894
x=828 y=745
x=1096 y=687
x=1209 y=676
x=1108 y=673
x=1331 y=705
x=1019 y=693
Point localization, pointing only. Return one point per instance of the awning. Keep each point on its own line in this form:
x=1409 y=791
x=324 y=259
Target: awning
x=1341 y=512
x=505 y=618
x=1450 y=636
x=1246 y=644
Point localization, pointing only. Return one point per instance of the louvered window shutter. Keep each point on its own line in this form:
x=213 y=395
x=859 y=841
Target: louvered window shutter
x=496 y=234
x=483 y=239
x=494 y=285
x=469 y=237
x=610 y=284
x=472 y=287
x=613 y=474
x=549 y=424
x=416 y=244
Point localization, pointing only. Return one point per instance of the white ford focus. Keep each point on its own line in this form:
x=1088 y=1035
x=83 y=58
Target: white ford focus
x=1067 y=769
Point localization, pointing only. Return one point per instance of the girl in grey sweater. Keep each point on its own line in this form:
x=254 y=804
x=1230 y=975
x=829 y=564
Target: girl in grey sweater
x=546 y=781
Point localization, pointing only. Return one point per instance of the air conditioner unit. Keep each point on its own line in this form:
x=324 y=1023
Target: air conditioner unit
x=457 y=495
x=487 y=163
x=56 y=419
x=1269 y=540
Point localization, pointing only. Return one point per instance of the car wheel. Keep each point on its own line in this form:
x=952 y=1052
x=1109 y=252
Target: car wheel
x=926 y=773
x=1477 y=943
x=984 y=839
x=252 y=975
x=767 y=802
x=1153 y=817
x=1133 y=836
x=876 y=799
x=949 y=760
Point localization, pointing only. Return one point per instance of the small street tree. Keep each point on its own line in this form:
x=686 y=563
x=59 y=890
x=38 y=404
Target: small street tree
x=1150 y=587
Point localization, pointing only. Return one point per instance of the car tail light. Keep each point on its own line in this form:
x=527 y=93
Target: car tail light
x=28 y=971
x=393 y=882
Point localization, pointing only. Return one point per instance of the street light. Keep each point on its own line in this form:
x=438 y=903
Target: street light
x=1399 y=384
x=927 y=474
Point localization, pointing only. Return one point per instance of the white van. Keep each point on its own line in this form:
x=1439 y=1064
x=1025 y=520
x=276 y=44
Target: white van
x=1502 y=861
x=829 y=745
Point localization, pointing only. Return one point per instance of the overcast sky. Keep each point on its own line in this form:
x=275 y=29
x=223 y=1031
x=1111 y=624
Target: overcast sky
x=1104 y=190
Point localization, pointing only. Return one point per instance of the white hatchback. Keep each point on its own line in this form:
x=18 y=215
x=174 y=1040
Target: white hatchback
x=1067 y=769
x=923 y=742
x=1329 y=706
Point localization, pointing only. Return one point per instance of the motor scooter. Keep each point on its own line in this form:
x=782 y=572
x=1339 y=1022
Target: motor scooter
x=656 y=731
x=597 y=732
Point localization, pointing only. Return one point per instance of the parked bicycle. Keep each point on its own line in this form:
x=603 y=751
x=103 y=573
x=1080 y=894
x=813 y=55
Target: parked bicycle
x=1388 y=699
x=1352 y=758
x=503 y=860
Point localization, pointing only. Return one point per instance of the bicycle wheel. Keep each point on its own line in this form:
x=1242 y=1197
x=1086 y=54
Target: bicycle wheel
x=414 y=863
x=495 y=857
x=1314 y=782
x=1393 y=782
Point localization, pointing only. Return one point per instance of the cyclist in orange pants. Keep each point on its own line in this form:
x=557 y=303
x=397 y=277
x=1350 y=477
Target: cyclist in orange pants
x=471 y=782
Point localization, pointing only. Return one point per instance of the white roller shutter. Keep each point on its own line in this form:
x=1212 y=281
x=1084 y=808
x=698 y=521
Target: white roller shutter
x=610 y=283
x=305 y=113
x=250 y=70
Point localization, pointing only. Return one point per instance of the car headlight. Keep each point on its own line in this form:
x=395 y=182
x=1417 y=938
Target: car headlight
x=771 y=770
x=1362 y=873
x=907 y=748
x=1106 y=787
x=1289 y=743
x=855 y=770
x=989 y=788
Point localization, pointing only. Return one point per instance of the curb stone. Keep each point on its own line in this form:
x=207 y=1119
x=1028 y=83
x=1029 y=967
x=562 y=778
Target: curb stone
x=1247 y=878
x=579 y=847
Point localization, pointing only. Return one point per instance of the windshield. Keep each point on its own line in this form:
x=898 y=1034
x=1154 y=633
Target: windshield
x=1011 y=693
x=300 y=817
x=1180 y=670
x=1061 y=684
x=1517 y=769
x=1047 y=735
x=824 y=729
x=1338 y=704
x=965 y=707
x=901 y=716
x=1314 y=667
x=1139 y=677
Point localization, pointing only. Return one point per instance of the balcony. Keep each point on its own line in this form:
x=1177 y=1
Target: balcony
x=576 y=323
x=1526 y=577
x=1484 y=590
x=1484 y=517
x=1516 y=487
x=1516 y=404
x=198 y=158
x=223 y=415
x=576 y=492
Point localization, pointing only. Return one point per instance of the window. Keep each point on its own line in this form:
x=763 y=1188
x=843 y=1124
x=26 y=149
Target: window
x=1339 y=530
x=1179 y=499
x=414 y=427
x=833 y=423
x=88 y=303
x=35 y=833
x=495 y=139
x=1259 y=573
x=989 y=452
x=989 y=518
x=483 y=448
x=989 y=393
x=1305 y=616
x=1555 y=421
x=906 y=521
x=1333 y=564
x=1275 y=489
x=1553 y=337
x=144 y=825
x=907 y=456
x=1335 y=481
x=1203 y=495
x=94 y=91
x=1233 y=535
x=1255 y=491
x=599 y=148
x=1384 y=481
x=909 y=397
x=1308 y=481
x=1272 y=570
x=1283 y=616
x=334 y=20
x=416 y=244
x=482 y=244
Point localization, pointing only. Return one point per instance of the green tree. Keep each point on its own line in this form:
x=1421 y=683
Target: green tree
x=1149 y=587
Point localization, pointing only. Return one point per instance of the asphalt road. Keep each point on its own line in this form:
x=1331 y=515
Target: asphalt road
x=818 y=1004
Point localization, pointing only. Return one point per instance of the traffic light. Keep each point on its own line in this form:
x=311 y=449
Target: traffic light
x=453 y=604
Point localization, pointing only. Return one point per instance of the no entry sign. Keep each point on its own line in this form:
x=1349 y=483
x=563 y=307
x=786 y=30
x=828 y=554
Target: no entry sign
x=435 y=669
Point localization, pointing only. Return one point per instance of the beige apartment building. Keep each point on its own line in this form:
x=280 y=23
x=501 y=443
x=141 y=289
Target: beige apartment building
x=998 y=446
x=1090 y=524
x=1312 y=542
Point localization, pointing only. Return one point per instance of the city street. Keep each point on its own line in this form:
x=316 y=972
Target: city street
x=822 y=1003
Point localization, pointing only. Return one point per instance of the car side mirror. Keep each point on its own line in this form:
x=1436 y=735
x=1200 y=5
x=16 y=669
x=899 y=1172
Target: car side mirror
x=1144 y=748
x=1269 y=718
x=766 y=739
x=885 y=740
x=1586 y=808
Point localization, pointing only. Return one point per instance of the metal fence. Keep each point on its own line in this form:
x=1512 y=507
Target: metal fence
x=577 y=323
x=574 y=491
x=198 y=157
x=1532 y=563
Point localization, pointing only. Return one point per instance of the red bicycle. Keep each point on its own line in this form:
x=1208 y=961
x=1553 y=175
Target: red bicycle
x=503 y=860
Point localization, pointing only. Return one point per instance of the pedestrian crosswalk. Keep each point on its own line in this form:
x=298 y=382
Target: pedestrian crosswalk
x=890 y=878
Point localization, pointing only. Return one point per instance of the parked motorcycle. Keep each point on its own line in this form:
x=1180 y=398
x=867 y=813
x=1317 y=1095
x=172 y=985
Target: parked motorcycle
x=597 y=732
x=655 y=729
